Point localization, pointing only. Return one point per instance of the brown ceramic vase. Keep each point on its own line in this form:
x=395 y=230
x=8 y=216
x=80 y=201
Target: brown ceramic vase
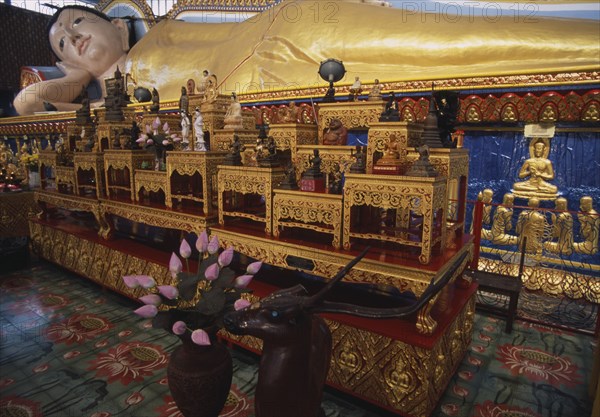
x=200 y=377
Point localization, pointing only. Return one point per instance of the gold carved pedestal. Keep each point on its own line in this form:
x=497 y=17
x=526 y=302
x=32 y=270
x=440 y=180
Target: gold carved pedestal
x=89 y=173
x=187 y=164
x=65 y=179
x=407 y=134
x=454 y=165
x=354 y=114
x=48 y=161
x=330 y=156
x=291 y=135
x=314 y=211
x=248 y=180
x=149 y=181
x=119 y=166
x=418 y=195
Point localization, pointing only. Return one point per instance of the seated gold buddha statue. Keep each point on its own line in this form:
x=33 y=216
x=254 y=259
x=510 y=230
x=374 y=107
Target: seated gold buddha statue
x=536 y=171
x=391 y=152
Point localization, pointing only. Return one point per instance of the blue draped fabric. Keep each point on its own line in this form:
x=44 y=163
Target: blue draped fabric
x=497 y=157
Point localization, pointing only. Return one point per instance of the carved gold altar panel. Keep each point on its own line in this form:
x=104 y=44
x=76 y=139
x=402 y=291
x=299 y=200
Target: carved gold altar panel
x=326 y=263
x=330 y=157
x=419 y=195
x=94 y=260
x=15 y=210
x=65 y=179
x=48 y=161
x=314 y=211
x=240 y=180
x=89 y=173
x=119 y=167
x=222 y=139
x=149 y=181
x=187 y=164
x=396 y=374
x=353 y=114
x=168 y=219
x=291 y=135
x=407 y=134
x=73 y=203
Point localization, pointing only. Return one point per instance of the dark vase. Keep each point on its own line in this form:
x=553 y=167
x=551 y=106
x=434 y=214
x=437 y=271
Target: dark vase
x=200 y=377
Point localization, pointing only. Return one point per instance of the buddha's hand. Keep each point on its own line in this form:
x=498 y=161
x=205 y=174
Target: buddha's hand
x=74 y=73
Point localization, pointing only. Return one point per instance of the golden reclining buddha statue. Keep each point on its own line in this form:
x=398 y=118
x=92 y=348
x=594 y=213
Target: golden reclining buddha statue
x=282 y=47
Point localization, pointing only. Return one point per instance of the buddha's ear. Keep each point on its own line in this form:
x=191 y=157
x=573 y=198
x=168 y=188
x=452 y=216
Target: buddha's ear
x=123 y=28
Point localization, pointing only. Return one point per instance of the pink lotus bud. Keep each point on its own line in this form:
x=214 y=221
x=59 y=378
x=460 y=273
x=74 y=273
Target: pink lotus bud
x=146 y=281
x=165 y=142
x=202 y=242
x=168 y=291
x=213 y=245
x=184 y=249
x=156 y=123
x=225 y=257
x=143 y=138
x=200 y=337
x=175 y=265
x=149 y=141
x=212 y=272
x=179 y=327
x=148 y=311
x=241 y=303
x=166 y=128
x=152 y=299
x=148 y=129
x=176 y=139
x=254 y=267
x=242 y=281
x=131 y=281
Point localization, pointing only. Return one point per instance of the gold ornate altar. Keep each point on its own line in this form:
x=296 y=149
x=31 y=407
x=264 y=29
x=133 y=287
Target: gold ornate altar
x=320 y=212
x=15 y=210
x=150 y=182
x=89 y=173
x=353 y=114
x=244 y=181
x=405 y=195
x=183 y=168
x=48 y=161
x=119 y=167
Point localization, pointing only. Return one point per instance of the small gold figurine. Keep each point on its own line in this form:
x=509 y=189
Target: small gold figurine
x=589 y=220
x=530 y=225
x=562 y=230
x=502 y=222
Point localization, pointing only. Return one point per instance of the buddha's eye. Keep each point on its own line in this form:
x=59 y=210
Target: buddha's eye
x=61 y=44
x=77 y=21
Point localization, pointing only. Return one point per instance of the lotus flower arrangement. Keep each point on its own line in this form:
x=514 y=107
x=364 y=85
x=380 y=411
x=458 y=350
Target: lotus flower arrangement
x=198 y=301
x=158 y=142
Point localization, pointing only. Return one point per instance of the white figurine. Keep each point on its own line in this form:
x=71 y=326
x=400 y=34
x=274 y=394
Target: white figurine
x=198 y=130
x=185 y=131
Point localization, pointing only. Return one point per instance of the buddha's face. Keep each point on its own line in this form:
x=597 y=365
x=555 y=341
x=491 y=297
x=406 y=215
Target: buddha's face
x=83 y=40
x=538 y=149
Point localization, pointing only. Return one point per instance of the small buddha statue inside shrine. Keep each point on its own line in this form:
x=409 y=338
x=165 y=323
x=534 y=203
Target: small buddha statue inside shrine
x=335 y=134
x=234 y=157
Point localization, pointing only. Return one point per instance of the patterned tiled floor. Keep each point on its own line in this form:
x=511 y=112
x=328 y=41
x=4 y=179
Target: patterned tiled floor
x=67 y=348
